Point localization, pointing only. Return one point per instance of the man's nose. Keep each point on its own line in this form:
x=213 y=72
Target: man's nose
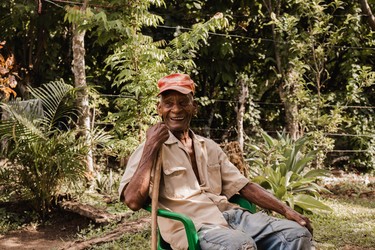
x=176 y=108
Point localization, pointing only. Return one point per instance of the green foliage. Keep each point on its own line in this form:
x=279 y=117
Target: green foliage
x=78 y=16
x=138 y=62
x=107 y=183
x=40 y=145
x=134 y=63
x=282 y=169
x=311 y=63
x=139 y=67
x=320 y=54
x=184 y=48
x=44 y=164
x=360 y=121
x=9 y=221
x=43 y=35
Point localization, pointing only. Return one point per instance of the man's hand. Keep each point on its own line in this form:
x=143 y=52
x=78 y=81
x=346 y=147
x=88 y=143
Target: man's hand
x=300 y=219
x=136 y=193
x=157 y=134
x=259 y=196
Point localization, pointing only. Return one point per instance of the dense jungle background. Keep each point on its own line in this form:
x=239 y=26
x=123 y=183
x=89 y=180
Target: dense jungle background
x=285 y=86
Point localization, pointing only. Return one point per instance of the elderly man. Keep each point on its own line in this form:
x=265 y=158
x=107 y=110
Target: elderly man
x=197 y=179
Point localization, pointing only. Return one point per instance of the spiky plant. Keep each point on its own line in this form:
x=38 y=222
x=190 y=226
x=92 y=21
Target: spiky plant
x=282 y=169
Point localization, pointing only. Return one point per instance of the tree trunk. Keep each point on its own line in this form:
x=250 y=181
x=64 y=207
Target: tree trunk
x=367 y=11
x=286 y=83
x=207 y=126
x=80 y=82
x=244 y=94
x=99 y=216
x=291 y=111
x=286 y=91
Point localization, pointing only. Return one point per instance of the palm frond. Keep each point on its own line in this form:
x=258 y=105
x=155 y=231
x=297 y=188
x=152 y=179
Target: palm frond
x=100 y=137
x=53 y=96
x=20 y=122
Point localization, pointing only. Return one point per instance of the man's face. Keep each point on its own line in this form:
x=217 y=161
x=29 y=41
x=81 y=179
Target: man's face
x=177 y=109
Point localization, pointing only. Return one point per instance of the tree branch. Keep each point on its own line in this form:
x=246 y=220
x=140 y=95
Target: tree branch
x=367 y=11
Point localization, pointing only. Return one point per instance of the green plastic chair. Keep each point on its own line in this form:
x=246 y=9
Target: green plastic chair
x=191 y=233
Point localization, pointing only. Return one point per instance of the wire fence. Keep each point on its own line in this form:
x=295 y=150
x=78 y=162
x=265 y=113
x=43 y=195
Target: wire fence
x=235 y=101
x=234 y=130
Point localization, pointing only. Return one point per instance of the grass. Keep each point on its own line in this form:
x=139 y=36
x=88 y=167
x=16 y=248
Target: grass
x=351 y=224
x=129 y=241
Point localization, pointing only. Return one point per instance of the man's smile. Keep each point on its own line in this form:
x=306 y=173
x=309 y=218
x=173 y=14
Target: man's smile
x=176 y=118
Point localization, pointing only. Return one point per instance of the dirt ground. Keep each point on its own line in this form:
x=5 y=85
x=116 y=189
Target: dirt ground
x=62 y=230
x=57 y=233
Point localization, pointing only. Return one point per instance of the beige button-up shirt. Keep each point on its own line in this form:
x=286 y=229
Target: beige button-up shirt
x=181 y=192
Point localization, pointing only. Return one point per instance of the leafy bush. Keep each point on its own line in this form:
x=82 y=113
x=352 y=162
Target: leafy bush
x=281 y=168
x=43 y=151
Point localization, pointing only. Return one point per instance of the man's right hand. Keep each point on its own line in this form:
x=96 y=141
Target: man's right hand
x=136 y=192
x=157 y=134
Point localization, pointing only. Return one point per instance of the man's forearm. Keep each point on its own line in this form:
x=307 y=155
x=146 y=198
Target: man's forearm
x=261 y=197
x=136 y=192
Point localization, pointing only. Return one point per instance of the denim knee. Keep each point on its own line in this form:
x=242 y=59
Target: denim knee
x=291 y=237
x=220 y=238
x=298 y=238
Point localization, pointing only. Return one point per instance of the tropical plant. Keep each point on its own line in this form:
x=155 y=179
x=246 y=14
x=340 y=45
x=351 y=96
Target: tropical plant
x=301 y=56
x=42 y=148
x=138 y=61
x=282 y=169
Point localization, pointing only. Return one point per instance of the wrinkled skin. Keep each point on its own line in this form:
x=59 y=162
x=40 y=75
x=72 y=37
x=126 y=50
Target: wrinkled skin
x=177 y=110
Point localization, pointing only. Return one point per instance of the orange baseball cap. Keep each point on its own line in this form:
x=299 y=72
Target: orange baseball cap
x=179 y=82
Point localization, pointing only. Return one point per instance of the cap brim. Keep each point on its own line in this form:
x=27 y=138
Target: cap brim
x=182 y=90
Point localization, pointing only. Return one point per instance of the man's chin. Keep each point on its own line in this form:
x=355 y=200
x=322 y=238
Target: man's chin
x=177 y=129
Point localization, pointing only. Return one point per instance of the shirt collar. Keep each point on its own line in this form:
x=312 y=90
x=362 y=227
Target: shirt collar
x=172 y=139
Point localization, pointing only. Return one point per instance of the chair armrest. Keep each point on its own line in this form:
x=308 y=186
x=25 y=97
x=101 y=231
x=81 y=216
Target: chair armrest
x=191 y=232
x=242 y=202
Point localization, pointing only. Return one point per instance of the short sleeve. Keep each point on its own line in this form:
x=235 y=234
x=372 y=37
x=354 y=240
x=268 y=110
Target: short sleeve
x=130 y=169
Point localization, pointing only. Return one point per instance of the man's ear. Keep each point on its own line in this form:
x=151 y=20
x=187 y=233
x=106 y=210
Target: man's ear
x=158 y=108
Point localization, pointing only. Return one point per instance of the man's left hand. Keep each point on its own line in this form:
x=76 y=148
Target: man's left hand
x=300 y=219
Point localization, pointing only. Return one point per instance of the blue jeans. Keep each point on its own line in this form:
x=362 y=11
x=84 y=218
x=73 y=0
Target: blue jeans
x=254 y=231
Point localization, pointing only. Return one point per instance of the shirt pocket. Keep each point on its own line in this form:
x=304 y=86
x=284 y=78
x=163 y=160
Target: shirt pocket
x=214 y=178
x=176 y=182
